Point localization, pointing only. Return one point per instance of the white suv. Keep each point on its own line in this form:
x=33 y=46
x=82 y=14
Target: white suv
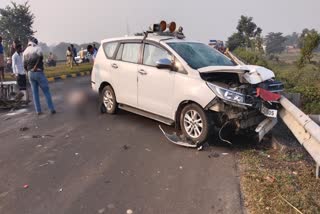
x=184 y=83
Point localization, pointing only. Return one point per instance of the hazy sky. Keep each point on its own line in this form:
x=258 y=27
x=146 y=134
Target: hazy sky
x=93 y=20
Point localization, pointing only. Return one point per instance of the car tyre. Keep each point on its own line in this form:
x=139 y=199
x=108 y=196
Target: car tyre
x=108 y=101
x=194 y=123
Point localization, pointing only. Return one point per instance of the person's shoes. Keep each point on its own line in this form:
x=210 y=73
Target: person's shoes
x=53 y=112
x=39 y=113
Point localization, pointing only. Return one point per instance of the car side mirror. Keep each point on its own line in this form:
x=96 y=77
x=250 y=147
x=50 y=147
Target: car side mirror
x=164 y=64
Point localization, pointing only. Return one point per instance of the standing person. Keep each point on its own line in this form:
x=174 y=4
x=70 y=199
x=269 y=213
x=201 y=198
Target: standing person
x=74 y=53
x=82 y=55
x=1 y=61
x=18 y=70
x=69 y=57
x=94 y=47
x=33 y=63
x=92 y=52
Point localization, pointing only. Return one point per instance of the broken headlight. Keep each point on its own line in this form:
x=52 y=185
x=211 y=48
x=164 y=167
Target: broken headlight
x=228 y=95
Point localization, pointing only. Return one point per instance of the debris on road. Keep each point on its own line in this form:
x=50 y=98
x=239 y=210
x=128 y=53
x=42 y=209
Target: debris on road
x=174 y=138
x=23 y=129
x=41 y=136
x=4 y=194
x=126 y=147
x=60 y=190
x=129 y=211
x=38 y=146
x=111 y=206
x=51 y=162
x=224 y=154
x=213 y=155
x=180 y=167
x=101 y=210
x=148 y=150
x=26 y=186
x=76 y=154
x=43 y=164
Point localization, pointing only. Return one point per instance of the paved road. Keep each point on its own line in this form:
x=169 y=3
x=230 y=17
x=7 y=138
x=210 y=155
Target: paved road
x=90 y=163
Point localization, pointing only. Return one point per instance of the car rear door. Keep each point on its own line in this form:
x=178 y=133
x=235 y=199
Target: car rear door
x=155 y=86
x=124 y=72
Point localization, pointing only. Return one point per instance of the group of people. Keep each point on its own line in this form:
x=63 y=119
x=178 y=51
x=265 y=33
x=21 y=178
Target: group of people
x=71 y=54
x=29 y=62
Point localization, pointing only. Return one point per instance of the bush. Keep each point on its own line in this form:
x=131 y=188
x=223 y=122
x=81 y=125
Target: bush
x=251 y=57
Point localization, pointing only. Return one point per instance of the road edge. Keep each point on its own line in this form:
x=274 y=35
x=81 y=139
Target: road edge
x=66 y=76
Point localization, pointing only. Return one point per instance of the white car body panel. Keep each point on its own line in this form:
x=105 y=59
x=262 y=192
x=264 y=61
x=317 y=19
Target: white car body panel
x=124 y=82
x=155 y=90
x=251 y=73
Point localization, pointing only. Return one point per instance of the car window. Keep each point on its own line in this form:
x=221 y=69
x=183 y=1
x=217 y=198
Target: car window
x=199 y=55
x=153 y=53
x=109 y=48
x=130 y=52
x=119 y=54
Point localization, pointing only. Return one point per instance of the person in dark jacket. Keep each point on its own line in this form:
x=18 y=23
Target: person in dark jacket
x=74 y=54
x=33 y=63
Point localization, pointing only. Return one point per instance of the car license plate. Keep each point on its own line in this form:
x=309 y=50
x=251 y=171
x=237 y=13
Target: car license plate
x=269 y=112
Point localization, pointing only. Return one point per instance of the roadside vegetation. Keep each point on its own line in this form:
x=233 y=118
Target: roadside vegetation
x=61 y=69
x=278 y=180
x=278 y=175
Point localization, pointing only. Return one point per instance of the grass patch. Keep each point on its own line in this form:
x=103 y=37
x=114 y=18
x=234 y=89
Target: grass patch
x=61 y=69
x=272 y=180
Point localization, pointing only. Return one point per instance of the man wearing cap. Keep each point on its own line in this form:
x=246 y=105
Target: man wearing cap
x=33 y=63
x=1 y=61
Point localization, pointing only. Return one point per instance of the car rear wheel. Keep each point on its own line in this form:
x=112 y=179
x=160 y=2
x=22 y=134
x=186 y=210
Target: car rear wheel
x=108 y=100
x=194 y=123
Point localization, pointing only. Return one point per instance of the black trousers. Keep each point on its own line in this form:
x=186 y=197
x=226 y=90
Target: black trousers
x=22 y=81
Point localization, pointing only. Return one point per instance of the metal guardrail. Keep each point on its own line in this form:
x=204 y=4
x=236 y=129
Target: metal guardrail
x=304 y=129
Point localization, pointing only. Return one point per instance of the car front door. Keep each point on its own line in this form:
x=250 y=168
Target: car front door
x=155 y=86
x=124 y=73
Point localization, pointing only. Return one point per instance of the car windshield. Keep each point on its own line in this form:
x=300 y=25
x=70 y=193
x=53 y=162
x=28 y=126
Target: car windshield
x=199 y=55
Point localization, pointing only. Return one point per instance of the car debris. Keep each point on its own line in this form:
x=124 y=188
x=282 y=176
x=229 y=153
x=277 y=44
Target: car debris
x=23 y=129
x=129 y=211
x=174 y=138
x=26 y=186
x=125 y=147
x=213 y=155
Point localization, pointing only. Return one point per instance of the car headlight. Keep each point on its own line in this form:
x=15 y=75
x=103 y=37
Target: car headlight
x=228 y=95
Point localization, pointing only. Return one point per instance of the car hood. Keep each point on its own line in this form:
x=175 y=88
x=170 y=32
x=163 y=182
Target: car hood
x=253 y=74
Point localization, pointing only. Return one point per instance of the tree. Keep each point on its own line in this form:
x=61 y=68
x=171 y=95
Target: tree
x=16 y=22
x=247 y=36
x=275 y=43
x=292 y=40
x=309 y=41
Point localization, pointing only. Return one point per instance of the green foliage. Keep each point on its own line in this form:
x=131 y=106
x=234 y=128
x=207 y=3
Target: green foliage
x=247 y=34
x=309 y=41
x=292 y=40
x=16 y=22
x=275 y=43
x=251 y=57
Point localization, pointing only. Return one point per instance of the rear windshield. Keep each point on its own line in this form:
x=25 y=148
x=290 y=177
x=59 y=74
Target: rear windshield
x=199 y=55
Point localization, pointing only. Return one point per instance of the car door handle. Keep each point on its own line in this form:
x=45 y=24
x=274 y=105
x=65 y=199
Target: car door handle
x=142 y=72
x=114 y=65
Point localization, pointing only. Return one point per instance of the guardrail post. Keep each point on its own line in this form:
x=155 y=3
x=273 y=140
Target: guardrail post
x=318 y=171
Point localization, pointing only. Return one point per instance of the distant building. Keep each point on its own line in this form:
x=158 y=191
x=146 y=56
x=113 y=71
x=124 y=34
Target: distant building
x=292 y=49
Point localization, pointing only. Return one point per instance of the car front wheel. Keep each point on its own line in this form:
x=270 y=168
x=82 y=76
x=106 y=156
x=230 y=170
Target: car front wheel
x=194 y=123
x=108 y=100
